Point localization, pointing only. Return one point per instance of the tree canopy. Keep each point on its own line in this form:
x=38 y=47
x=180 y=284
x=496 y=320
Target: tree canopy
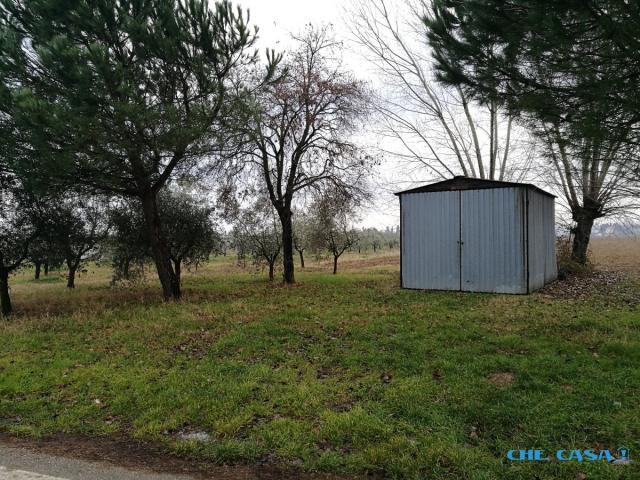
x=120 y=97
x=562 y=61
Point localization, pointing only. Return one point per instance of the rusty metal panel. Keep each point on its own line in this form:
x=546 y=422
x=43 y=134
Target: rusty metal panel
x=430 y=240
x=493 y=240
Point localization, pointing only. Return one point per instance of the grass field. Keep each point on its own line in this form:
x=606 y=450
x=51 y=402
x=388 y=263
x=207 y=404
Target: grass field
x=345 y=373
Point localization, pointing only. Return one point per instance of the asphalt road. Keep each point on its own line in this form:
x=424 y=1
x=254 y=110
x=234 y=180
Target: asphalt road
x=21 y=464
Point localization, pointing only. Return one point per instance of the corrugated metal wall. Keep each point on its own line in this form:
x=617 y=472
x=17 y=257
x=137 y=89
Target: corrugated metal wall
x=493 y=228
x=430 y=234
x=543 y=267
x=493 y=236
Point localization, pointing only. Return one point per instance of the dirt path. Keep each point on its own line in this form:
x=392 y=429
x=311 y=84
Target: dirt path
x=72 y=457
x=17 y=463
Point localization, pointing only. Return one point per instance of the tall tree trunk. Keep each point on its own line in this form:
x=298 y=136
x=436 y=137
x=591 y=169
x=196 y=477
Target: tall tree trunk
x=38 y=266
x=335 y=264
x=170 y=282
x=5 y=299
x=46 y=268
x=581 y=236
x=287 y=245
x=71 y=276
x=271 y=271
x=300 y=252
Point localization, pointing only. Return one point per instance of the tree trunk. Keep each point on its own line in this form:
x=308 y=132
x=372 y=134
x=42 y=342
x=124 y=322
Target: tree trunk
x=271 y=271
x=38 y=266
x=5 y=300
x=46 y=268
x=71 y=277
x=581 y=236
x=125 y=268
x=335 y=264
x=287 y=245
x=170 y=282
x=178 y=271
x=300 y=252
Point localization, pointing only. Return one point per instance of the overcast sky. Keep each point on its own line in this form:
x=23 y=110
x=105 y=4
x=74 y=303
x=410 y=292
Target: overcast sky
x=277 y=20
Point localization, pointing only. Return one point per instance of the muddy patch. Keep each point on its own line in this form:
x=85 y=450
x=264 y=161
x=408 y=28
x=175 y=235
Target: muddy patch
x=502 y=379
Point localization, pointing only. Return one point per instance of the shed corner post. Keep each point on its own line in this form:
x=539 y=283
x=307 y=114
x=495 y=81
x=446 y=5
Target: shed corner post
x=526 y=239
x=401 y=240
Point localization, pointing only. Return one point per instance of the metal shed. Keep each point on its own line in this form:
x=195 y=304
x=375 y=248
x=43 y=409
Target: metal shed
x=477 y=235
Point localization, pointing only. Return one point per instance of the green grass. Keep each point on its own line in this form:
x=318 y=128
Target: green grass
x=343 y=373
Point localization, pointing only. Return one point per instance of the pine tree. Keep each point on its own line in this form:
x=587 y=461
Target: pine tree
x=119 y=98
x=560 y=60
x=571 y=70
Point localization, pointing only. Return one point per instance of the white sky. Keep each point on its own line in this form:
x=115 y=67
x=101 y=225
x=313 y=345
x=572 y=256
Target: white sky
x=278 y=18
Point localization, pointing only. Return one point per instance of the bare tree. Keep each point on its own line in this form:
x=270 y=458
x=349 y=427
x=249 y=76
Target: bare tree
x=300 y=134
x=594 y=179
x=430 y=127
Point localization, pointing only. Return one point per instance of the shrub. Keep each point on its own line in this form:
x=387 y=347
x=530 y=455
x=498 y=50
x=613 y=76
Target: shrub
x=566 y=265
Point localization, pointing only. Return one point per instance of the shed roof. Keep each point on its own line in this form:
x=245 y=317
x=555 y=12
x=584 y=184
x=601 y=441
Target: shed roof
x=468 y=183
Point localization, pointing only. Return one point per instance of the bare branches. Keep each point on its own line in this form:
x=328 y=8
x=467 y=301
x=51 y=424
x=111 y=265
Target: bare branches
x=421 y=121
x=299 y=137
x=301 y=132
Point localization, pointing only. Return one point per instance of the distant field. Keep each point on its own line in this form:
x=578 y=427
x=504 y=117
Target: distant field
x=344 y=373
x=617 y=253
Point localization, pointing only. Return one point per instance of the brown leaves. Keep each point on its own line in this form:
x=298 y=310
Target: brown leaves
x=607 y=284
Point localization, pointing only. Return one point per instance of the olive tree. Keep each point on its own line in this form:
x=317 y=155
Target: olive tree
x=302 y=231
x=77 y=225
x=127 y=243
x=333 y=218
x=18 y=230
x=44 y=253
x=257 y=233
x=190 y=233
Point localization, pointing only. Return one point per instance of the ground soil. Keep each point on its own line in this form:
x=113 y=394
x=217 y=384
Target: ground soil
x=143 y=456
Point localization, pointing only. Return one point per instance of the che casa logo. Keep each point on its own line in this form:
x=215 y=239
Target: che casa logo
x=576 y=455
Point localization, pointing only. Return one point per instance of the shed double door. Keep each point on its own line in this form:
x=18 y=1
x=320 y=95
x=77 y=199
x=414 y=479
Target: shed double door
x=493 y=240
x=470 y=240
